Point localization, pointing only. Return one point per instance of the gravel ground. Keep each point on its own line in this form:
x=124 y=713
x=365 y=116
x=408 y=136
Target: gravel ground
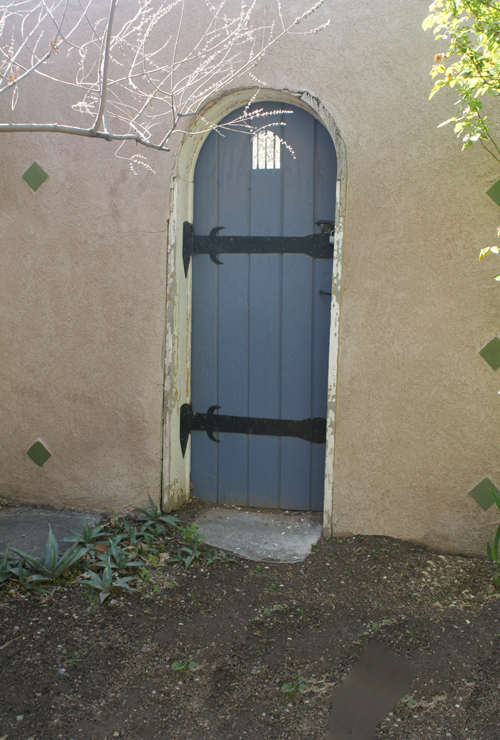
x=73 y=670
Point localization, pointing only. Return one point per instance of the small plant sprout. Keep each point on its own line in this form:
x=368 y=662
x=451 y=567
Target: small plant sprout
x=298 y=684
x=190 y=535
x=75 y=658
x=219 y=556
x=408 y=700
x=182 y=667
x=187 y=556
x=93 y=598
x=376 y=626
x=154 y=561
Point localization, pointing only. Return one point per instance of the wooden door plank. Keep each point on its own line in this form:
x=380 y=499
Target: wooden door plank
x=233 y=307
x=296 y=346
x=265 y=332
x=264 y=389
x=204 y=324
x=297 y=287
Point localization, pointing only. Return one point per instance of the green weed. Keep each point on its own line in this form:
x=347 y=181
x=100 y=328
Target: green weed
x=180 y=668
x=219 y=556
x=186 y=555
x=298 y=684
x=73 y=659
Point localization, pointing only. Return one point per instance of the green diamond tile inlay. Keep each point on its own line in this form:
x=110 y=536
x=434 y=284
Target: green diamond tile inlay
x=35 y=176
x=491 y=353
x=481 y=493
x=38 y=453
x=494 y=193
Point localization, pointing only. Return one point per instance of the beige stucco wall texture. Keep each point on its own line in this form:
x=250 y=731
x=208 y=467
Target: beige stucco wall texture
x=83 y=298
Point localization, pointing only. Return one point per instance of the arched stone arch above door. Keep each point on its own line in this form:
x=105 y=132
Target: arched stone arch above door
x=176 y=468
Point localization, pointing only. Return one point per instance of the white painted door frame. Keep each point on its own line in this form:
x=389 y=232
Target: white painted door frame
x=177 y=361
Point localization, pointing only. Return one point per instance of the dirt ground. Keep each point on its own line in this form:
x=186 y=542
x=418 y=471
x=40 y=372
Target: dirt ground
x=73 y=671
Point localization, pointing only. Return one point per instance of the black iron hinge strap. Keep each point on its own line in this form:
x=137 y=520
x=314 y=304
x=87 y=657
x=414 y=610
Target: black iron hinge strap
x=311 y=430
x=314 y=245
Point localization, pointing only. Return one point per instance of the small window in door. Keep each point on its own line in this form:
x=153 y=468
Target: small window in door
x=266 y=151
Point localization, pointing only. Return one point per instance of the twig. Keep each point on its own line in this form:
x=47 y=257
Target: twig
x=104 y=72
x=56 y=128
x=8 y=643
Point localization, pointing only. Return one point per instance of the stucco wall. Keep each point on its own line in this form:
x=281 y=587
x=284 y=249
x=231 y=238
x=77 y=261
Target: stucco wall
x=82 y=295
x=83 y=289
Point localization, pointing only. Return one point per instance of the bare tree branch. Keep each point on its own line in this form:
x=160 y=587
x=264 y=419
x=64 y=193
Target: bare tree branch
x=138 y=81
x=104 y=73
x=55 y=128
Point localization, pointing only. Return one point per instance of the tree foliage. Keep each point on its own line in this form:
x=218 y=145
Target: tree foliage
x=470 y=64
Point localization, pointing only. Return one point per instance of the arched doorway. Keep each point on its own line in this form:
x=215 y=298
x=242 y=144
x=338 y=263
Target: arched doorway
x=176 y=466
x=261 y=312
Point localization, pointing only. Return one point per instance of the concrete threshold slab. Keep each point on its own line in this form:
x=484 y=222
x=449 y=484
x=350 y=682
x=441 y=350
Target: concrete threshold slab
x=27 y=528
x=263 y=535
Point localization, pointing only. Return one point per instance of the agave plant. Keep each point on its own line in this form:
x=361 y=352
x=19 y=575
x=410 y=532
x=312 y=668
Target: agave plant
x=130 y=531
x=106 y=582
x=88 y=536
x=52 y=565
x=122 y=558
x=26 y=578
x=15 y=570
x=139 y=538
x=5 y=571
x=155 y=519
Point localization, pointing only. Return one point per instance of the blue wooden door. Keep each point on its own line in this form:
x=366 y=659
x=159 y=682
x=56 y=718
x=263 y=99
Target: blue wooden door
x=260 y=322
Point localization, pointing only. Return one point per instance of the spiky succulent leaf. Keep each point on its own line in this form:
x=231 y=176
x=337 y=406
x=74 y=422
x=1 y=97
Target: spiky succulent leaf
x=51 y=551
x=48 y=566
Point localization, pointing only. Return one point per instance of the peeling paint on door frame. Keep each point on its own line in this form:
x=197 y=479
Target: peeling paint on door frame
x=177 y=383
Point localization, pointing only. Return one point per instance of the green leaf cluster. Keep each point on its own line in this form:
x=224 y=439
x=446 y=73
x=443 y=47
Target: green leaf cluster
x=191 y=553
x=52 y=565
x=298 y=684
x=105 y=582
x=155 y=520
x=182 y=666
x=101 y=555
x=469 y=63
